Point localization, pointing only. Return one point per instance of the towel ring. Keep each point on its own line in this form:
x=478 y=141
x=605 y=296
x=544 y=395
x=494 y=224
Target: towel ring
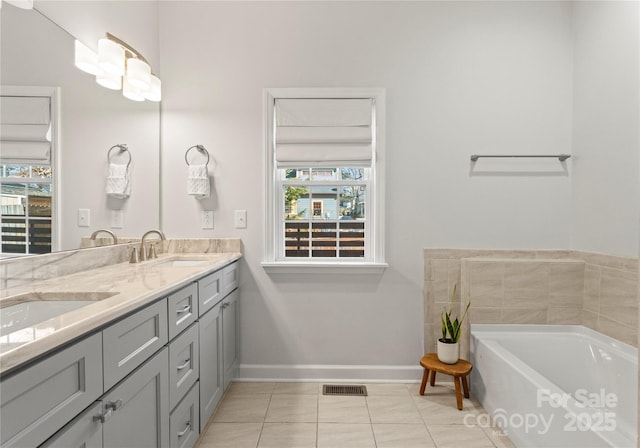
x=123 y=148
x=199 y=148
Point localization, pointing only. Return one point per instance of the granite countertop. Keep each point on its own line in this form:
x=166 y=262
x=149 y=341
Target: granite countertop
x=101 y=296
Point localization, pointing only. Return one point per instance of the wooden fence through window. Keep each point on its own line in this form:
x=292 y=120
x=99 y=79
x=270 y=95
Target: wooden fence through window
x=328 y=239
x=14 y=235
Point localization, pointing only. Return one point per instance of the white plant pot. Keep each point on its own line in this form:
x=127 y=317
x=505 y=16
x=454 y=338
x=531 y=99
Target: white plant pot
x=448 y=353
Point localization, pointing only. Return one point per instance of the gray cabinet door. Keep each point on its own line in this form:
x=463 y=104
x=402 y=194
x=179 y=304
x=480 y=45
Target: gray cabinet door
x=210 y=328
x=209 y=291
x=230 y=336
x=128 y=343
x=185 y=421
x=184 y=366
x=183 y=309
x=41 y=399
x=83 y=432
x=139 y=407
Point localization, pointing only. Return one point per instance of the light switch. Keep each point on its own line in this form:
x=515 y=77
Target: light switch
x=84 y=217
x=117 y=219
x=207 y=219
x=241 y=219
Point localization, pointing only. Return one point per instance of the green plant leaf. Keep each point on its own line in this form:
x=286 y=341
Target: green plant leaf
x=453 y=329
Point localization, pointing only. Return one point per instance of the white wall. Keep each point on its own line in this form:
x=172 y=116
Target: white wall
x=606 y=179
x=461 y=78
x=37 y=52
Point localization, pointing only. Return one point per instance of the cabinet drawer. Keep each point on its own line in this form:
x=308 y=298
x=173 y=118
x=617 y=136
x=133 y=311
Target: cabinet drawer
x=183 y=309
x=184 y=365
x=38 y=401
x=209 y=291
x=229 y=278
x=128 y=343
x=84 y=431
x=184 y=421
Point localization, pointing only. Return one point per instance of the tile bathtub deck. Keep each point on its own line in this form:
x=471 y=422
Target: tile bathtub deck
x=297 y=415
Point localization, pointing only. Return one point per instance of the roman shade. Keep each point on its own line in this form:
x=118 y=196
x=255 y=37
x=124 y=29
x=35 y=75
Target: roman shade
x=25 y=124
x=323 y=132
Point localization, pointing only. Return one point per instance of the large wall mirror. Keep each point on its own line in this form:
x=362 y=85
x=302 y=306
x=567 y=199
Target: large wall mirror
x=35 y=51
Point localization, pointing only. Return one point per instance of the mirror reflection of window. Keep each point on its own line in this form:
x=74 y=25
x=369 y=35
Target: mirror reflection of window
x=26 y=171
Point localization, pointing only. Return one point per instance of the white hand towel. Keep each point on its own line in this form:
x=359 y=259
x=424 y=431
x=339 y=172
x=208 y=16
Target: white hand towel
x=198 y=181
x=118 y=182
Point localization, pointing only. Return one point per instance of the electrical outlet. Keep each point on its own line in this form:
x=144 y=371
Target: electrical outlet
x=84 y=217
x=241 y=219
x=207 y=219
x=117 y=219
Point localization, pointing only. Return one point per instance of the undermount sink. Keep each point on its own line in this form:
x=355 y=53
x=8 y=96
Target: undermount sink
x=25 y=310
x=178 y=263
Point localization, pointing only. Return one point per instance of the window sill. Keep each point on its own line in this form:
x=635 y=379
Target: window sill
x=291 y=267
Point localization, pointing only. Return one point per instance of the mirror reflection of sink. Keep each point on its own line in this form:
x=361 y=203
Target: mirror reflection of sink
x=178 y=263
x=24 y=310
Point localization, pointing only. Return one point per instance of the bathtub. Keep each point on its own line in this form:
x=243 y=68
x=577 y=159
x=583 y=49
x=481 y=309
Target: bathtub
x=548 y=386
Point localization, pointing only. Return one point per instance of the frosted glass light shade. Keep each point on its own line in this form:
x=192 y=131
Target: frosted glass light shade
x=86 y=59
x=154 y=93
x=130 y=91
x=113 y=82
x=24 y=4
x=138 y=73
x=111 y=57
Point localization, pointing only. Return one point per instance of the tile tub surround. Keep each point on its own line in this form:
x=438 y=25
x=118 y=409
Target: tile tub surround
x=134 y=285
x=527 y=286
x=20 y=271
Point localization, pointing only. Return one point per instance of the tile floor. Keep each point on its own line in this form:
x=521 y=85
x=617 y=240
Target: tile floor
x=297 y=415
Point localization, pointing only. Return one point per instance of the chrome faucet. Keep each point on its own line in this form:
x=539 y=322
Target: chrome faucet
x=152 y=251
x=113 y=235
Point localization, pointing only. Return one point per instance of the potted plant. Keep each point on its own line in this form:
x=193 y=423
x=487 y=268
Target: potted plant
x=449 y=343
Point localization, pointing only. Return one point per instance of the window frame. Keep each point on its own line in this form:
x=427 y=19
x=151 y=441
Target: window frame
x=55 y=161
x=272 y=260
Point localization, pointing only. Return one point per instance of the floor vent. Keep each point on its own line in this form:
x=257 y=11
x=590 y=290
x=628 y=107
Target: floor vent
x=333 y=389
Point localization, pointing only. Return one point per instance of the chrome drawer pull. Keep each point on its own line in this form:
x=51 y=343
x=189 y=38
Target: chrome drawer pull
x=184 y=309
x=111 y=406
x=185 y=365
x=185 y=430
x=103 y=417
x=115 y=405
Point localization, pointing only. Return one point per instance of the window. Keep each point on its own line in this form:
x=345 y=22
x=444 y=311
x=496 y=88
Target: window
x=324 y=178
x=27 y=129
x=324 y=213
x=26 y=209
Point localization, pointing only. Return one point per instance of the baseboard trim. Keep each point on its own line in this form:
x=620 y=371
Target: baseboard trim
x=319 y=373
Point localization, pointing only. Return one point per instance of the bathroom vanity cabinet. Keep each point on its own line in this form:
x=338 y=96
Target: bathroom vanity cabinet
x=150 y=379
x=219 y=332
x=44 y=396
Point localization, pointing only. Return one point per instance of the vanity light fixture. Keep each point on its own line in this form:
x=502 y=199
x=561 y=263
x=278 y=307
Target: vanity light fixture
x=117 y=66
